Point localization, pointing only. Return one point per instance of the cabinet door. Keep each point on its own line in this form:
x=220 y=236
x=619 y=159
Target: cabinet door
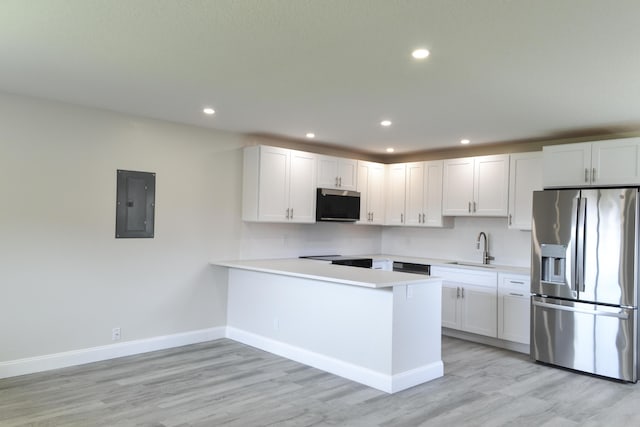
x=457 y=187
x=615 y=162
x=479 y=310
x=433 y=195
x=363 y=188
x=347 y=174
x=327 y=172
x=491 y=185
x=336 y=172
x=395 y=195
x=566 y=165
x=525 y=177
x=513 y=317
x=376 y=193
x=450 y=306
x=273 y=199
x=302 y=199
x=414 y=203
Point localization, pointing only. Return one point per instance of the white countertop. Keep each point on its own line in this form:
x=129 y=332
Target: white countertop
x=325 y=271
x=448 y=263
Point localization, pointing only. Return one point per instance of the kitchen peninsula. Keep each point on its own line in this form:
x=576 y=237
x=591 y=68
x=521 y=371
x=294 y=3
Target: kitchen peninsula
x=379 y=328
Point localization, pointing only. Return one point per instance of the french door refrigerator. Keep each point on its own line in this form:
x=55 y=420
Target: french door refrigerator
x=584 y=280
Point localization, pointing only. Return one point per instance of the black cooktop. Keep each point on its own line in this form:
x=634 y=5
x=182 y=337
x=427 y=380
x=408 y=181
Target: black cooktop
x=332 y=257
x=343 y=260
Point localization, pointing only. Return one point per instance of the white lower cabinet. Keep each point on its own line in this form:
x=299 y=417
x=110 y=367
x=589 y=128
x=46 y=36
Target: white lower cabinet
x=469 y=300
x=513 y=307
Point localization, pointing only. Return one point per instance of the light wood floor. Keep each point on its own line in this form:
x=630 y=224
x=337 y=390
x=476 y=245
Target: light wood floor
x=224 y=383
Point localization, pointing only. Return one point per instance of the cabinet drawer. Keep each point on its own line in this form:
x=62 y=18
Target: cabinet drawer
x=466 y=276
x=516 y=283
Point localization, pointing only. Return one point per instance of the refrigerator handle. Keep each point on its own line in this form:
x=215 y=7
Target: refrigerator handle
x=580 y=245
x=620 y=315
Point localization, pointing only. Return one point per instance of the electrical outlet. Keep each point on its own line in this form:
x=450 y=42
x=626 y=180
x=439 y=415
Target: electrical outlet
x=115 y=334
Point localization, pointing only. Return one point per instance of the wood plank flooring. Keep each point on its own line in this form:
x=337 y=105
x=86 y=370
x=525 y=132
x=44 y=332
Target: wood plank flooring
x=224 y=383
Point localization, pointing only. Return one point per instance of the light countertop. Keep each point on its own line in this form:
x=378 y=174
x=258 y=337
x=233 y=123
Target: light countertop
x=448 y=263
x=325 y=271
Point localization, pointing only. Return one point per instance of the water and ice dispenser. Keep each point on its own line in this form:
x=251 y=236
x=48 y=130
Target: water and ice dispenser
x=554 y=263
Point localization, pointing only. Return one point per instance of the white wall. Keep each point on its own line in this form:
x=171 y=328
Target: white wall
x=65 y=281
x=509 y=247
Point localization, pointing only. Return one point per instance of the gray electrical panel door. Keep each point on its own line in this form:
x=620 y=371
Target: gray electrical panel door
x=135 y=204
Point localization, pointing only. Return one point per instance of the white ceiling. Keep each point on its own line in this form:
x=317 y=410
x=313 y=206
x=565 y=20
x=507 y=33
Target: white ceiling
x=498 y=71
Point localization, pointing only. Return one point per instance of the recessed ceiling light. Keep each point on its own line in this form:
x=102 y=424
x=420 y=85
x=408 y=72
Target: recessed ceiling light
x=420 y=53
x=390 y=150
x=311 y=135
x=464 y=141
x=385 y=123
x=209 y=111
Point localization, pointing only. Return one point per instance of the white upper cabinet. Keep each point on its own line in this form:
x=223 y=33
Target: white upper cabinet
x=279 y=185
x=525 y=177
x=336 y=172
x=395 y=194
x=371 y=188
x=476 y=186
x=587 y=164
x=414 y=195
x=423 y=202
x=566 y=165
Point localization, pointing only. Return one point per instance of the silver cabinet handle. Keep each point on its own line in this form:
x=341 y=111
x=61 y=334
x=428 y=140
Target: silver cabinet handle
x=340 y=182
x=469 y=207
x=402 y=218
x=619 y=315
x=474 y=206
x=586 y=175
x=462 y=292
x=424 y=218
x=510 y=220
x=291 y=213
x=593 y=175
x=287 y=213
x=337 y=182
x=419 y=218
x=516 y=282
x=371 y=216
x=458 y=292
x=515 y=294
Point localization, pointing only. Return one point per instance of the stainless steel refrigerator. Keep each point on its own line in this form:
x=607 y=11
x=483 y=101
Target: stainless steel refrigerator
x=584 y=280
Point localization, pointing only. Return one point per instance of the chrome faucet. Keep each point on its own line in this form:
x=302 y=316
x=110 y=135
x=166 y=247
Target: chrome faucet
x=485 y=253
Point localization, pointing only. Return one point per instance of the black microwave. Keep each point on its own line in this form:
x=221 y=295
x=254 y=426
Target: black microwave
x=337 y=205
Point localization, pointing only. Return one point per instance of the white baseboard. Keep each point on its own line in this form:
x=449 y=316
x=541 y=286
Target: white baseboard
x=368 y=377
x=416 y=376
x=47 y=362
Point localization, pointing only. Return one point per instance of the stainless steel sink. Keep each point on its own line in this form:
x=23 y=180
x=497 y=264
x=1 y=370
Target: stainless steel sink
x=472 y=264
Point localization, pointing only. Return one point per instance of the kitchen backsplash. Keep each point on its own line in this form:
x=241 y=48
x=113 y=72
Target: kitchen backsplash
x=263 y=240
x=509 y=247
